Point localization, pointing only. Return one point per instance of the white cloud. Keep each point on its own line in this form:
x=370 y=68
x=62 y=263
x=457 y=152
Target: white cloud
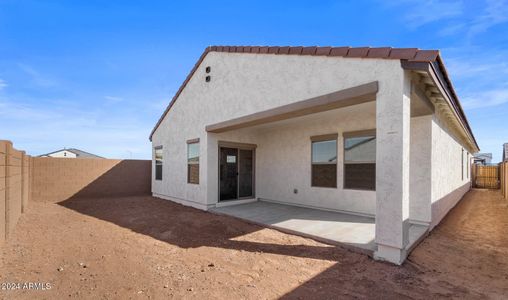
x=452 y=29
x=420 y=13
x=113 y=99
x=457 y=17
x=496 y=12
x=479 y=68
x=38 y=78
x=486 y=99
x=3 y=84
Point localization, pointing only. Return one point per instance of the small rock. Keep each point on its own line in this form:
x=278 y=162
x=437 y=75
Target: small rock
x=190 y=289
x=202 y=270
x=60 y=269
x=82 y=265
x=211 y=265
x=166 y=286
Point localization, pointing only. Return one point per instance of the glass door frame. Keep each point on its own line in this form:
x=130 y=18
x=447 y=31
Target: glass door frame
x=238 y=146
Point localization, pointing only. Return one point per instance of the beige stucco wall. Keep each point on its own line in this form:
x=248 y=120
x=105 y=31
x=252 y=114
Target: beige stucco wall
x=439 y=178
x=448 y=184
x=283 y=159
x=242 y=84
x=420 y=169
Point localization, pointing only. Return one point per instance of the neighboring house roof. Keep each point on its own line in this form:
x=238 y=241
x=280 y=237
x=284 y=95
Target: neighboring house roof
x=79 y=153
x=413 y=55
x=483 y=155
x=505 y=152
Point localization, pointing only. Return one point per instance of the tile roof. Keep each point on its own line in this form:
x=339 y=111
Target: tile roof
x=79 y=153
x=408 y=54
x=411 y=54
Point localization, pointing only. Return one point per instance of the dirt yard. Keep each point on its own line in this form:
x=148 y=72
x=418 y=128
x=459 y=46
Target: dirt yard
x=147 y=248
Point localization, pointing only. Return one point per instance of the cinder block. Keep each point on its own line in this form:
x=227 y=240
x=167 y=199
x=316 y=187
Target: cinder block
x=2 y=217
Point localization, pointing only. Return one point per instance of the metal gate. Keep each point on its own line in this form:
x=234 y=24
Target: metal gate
x=486 y=177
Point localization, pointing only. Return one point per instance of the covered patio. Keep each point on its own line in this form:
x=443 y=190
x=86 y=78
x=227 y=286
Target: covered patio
x=347 y=230
x=312 y=168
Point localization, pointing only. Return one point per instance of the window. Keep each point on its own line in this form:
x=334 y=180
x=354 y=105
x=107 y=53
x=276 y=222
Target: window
x=360 y=160
x=462 y=164
x=158 y=163
x=324 y=161
x=467 y=165
x=193 y=161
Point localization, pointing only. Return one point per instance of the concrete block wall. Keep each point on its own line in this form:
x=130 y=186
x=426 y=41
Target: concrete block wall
x=58 y=179
x=15 y=184
x=24 y=178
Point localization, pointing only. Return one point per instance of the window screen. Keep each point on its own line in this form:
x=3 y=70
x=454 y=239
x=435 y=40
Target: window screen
x=158 y=163
x=462 y=164
x=324 y=163
x=193 y=163
x=360 y=161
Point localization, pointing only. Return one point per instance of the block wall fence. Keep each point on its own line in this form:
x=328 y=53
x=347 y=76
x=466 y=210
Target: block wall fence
x=58 y=179
x=15 y=185
x=503 y=178
x=44 y=179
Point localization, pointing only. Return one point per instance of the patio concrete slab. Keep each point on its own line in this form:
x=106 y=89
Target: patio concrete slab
x=356 y=232
x=351 y=231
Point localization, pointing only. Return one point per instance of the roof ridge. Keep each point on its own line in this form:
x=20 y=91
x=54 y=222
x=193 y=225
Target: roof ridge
x=411 y=54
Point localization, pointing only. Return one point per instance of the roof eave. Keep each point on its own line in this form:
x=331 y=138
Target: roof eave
x=177 y=94
x=438 y=73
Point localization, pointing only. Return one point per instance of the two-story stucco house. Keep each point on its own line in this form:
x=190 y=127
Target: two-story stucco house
x=375 y=132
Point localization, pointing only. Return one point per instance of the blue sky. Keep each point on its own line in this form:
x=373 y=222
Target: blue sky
x=96 y=75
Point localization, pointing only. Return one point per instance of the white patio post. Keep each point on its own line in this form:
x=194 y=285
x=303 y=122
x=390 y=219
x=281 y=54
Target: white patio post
x=392 y=168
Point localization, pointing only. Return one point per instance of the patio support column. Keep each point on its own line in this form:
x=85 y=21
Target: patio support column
x=212 y=177
x=393 y=116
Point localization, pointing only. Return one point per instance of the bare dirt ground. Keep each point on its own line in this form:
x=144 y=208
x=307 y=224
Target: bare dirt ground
x=144 y=247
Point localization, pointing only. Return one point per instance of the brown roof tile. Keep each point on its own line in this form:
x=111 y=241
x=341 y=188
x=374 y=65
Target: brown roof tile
x=426 y=55
x=323 y=50
x=273 y=50
x=403 y=53
x=284 y=50
x=295 y=50
x=339 y=51
x=263 y=50
x=254 y=49
x=383 y=52
x=358 y=52
x=309 y=50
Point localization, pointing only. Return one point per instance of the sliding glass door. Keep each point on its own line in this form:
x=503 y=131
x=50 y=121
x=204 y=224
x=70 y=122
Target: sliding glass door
x=236 y=173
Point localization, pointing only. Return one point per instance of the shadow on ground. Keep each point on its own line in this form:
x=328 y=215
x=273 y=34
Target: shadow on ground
x=456 y=260
x=465 y=256
x=186 y=227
